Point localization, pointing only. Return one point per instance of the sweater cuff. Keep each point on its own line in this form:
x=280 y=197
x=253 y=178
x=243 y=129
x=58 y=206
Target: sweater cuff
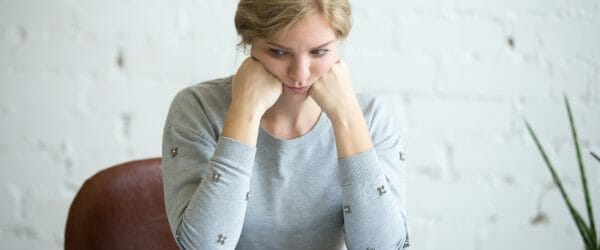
x=359 y=168
x=230 y=152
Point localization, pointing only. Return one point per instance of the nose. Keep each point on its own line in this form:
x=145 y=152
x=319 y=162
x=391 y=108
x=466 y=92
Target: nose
x=299 y=71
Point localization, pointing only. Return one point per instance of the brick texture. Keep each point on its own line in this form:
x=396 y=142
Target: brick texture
x=87 y=84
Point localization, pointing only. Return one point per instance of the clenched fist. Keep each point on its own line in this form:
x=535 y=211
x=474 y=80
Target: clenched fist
x=254 y=87
x=333 y=92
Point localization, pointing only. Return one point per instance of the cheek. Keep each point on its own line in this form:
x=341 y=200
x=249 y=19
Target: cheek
x=273 y=65
x=321 y=67
x=277 y=67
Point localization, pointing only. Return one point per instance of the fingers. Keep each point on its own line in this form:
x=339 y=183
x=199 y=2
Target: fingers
x=250 y=60
x=253 y=59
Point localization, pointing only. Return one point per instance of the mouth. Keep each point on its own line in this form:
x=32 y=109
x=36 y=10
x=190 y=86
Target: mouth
x=297 y=90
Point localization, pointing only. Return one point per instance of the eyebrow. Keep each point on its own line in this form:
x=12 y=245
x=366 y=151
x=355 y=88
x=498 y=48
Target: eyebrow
x=283 y=47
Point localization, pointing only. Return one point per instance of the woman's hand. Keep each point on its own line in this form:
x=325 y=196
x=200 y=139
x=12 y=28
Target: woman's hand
x=255 y=88
x=253 y=91
x=333 y=92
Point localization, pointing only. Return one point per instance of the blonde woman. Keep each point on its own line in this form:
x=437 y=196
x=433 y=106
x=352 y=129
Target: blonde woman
x=284 y=154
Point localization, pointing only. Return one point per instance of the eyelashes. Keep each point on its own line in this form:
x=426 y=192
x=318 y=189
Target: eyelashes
x=278 y=52
x=281 y=53
x=319 y=52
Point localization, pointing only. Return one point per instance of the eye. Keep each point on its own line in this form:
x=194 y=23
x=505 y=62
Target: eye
x=278 y=52
x=319 y=52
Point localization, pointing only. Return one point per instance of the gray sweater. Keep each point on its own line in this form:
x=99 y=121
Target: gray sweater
x=281 y=194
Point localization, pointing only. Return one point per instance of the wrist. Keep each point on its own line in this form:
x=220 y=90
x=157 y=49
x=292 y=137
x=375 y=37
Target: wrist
x=351 y=133
x=346 y=114
x=246 y=110
x=242 y=124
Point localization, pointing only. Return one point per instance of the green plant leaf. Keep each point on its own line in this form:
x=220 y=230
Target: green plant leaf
x=595 y=156
x=583 y=229
x=586 y=191
x=581 y=226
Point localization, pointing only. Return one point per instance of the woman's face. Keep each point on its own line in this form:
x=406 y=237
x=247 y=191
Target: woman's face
x=298 y=59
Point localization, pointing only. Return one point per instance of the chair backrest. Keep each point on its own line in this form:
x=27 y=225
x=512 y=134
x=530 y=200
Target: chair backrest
x=121 y=207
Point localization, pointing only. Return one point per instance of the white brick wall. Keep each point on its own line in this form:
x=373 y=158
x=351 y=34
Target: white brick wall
x=86 y=84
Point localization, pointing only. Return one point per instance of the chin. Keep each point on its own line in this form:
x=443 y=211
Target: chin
x=296 y=97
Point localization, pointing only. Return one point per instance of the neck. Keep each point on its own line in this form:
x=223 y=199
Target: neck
x=288 y=118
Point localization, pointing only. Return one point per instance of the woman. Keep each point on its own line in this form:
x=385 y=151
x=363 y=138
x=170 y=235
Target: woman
x=284 y=154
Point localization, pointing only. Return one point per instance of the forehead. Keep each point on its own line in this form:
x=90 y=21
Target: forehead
x=309 y=32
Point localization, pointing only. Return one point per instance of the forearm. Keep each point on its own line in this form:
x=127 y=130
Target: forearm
x=253 y=90
x=373 y=217
x=351 y=131
x=215 y=212
x=372 y=178
x=205 y=191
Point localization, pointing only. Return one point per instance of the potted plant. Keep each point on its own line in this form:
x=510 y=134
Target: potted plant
x=587 y=230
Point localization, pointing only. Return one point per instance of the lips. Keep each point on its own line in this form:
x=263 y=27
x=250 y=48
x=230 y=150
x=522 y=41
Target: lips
x=297 y=90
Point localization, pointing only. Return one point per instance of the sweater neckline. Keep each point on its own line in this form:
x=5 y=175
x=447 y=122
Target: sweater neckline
x=313 y=134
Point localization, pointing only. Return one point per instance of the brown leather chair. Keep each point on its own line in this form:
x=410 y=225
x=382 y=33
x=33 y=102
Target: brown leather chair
x=121 y=207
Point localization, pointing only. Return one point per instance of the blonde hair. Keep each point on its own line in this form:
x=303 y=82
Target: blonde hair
x=270 y=19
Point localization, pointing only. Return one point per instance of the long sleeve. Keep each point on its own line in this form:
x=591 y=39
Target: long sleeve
x=206 y=179
x=373 y=188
